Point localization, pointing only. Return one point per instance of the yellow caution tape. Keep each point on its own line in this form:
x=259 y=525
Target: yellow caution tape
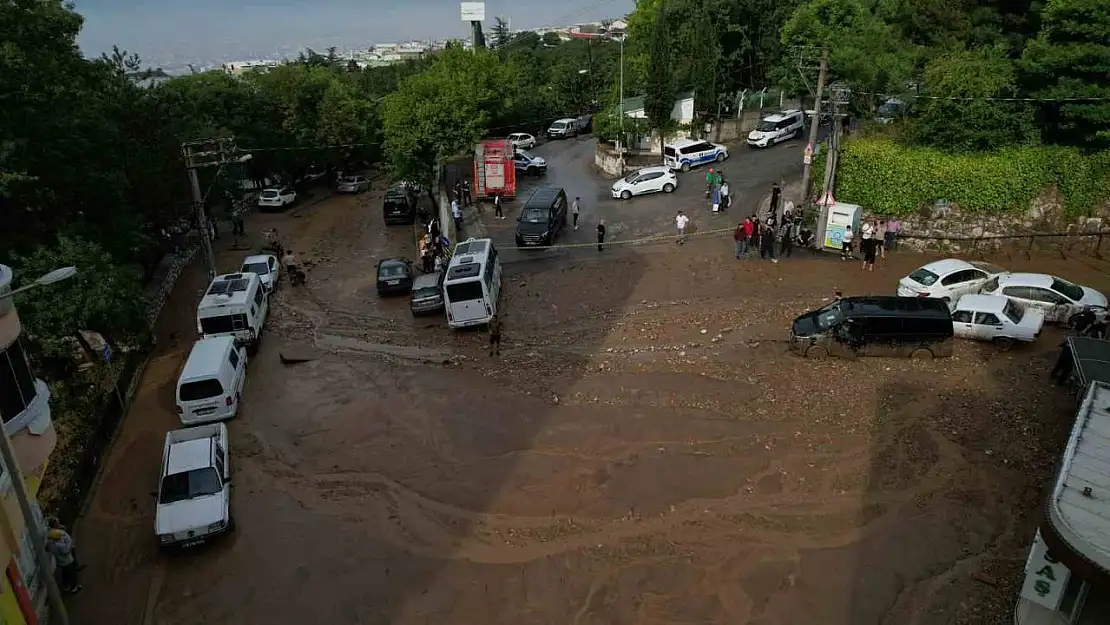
x=640 y=241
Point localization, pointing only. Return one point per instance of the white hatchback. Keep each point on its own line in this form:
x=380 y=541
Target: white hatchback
x=948 y=279
x=1059 y=299
x=646 y=180
x=522 y=141
x=994 y=318
x=265 y=266
x=276 y=197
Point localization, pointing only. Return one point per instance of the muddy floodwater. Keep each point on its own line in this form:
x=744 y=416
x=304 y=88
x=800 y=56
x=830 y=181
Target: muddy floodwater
x=644 y=451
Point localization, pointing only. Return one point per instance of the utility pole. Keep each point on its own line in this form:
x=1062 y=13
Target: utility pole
x=206 y=153
x=813 y=126
x=620 y=142
x=839 y=95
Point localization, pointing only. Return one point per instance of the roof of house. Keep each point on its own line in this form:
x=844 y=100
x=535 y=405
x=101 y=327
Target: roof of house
x=637 y=103
x=1080 y=506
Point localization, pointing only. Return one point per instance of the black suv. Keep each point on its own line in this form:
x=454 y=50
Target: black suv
x=400 y=204
x=544 y=214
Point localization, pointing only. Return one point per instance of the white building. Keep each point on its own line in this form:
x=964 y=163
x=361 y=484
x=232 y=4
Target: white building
x=682 y=113
x=1067 y=574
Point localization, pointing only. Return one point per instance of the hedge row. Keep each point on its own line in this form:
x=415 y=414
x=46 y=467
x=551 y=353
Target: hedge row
x=886 y=177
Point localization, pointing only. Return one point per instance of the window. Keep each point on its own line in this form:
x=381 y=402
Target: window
x=487 y=275
x=987 y=319
x=958 y=277
x=465 y=292
x=469 y=270
x=1013 y=311
x=1044 y=295
x=924 y=276
x=765 y=126
x=258 y=268
x=1071 y=291
x=200 y=390
x=1020 y=292
x=189 y=485
x=17 y=383
x=220 y=466
x=668 y=151
x=233 y=358
x=881 y=326
x=652 y=176
x=961 y=316
x=258 y=297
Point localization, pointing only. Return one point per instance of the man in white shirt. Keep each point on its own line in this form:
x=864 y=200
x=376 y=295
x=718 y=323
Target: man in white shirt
x=726 y=199
x=456 y=213
x=846 y=244
x=681 y=221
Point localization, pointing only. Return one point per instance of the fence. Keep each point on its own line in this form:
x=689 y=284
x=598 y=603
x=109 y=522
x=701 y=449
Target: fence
x=1025 y=243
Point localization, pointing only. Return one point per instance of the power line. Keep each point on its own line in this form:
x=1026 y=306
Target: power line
x=986 y=99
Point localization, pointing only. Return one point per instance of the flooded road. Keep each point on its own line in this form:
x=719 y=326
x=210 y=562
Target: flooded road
x=645 y=450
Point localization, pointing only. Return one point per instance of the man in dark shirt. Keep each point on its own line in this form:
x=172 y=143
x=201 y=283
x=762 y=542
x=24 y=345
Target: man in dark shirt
x=494 y=336
x=600 y=235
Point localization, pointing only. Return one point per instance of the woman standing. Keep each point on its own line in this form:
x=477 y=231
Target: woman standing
x=869 y=245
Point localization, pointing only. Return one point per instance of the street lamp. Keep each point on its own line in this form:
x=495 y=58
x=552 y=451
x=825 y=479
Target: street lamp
x=620 y=141
x=30 y=521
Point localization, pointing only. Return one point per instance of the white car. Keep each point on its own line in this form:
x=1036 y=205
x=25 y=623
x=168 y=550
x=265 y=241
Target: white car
x=776 y=128
x=1059 y=299
x=996 y=318
x=948 y=279
x=276 y=197
x=193 y=500
x=353 y=184
x=266 y=267
x=646 y=180
x=522 y=141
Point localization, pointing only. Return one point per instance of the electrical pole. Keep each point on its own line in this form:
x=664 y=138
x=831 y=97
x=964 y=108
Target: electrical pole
x=206 y=153
x=620 y=142
x=813 y=126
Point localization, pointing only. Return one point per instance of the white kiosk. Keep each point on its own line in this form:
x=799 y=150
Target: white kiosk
x=837 y=217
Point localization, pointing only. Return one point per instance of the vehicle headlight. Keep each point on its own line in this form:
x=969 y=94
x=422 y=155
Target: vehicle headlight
x=217 y=526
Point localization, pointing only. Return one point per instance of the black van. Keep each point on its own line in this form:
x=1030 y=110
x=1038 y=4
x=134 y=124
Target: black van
x=399 y=206
x=918 y=327
x=543 y=215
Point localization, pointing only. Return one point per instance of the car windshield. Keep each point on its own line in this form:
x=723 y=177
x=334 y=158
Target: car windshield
x=425 y=293
x=526 y=155
x=392 y=270
x=829 y=316
x=190 y=485
x=668 y=151
x=558 y=125
x=924 y=276
x=200 y=390
x=766 y=126
x=534 y=216
x=261 y=269
x=1071 y=291
x=1013 y=311
x=269 y=193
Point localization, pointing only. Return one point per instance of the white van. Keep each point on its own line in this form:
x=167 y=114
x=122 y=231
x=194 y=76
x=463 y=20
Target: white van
x=212 y=381
x=236 y=304
x=777 y=128
x=473 y=283
x=686 y=153
x=564 y=128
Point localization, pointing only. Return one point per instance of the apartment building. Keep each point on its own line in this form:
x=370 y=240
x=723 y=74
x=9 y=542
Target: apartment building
x=25 y=412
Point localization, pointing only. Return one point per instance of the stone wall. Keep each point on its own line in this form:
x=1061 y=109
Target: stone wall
x=945 y=228
x=608 y=160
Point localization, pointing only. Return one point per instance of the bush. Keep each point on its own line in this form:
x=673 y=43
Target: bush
x=885 y=177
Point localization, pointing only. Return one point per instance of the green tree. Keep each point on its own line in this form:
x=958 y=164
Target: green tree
x=551 y=39
x=659 y=99
x=105 y=296
x=500 y=33
x=1071 y=59
x=442 y=111
x=960 y=86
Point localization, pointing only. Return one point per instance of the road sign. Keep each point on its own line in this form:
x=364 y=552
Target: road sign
x=807 y=157
x=473 y=11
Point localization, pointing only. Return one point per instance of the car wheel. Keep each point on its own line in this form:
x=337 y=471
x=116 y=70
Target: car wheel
x=922 y=353
x=668 y=188
x=685 y=167
x=626 y=195
x=721 y=157
x=1004 y=343
x=817 y=352
x=1072 y=320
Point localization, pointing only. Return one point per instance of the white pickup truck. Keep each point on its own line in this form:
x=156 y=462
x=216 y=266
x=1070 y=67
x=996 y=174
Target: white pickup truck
x=194 y=494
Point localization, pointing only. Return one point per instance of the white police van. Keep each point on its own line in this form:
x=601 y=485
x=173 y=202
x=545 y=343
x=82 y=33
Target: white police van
x=686 y=153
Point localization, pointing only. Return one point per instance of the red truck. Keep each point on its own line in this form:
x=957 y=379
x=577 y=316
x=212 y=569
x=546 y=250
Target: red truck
x=494 y=170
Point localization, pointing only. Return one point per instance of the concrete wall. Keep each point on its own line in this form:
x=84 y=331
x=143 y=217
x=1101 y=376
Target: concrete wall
x=608 y=161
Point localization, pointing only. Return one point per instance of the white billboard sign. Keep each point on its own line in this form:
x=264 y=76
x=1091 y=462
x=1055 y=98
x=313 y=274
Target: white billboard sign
x=473 y=11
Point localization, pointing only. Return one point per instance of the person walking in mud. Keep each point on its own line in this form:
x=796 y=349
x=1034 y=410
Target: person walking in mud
x=600 y=235
x=498 y=207
x=495 y=335
x=575 y=208
x=680 y=222
x=776 y=194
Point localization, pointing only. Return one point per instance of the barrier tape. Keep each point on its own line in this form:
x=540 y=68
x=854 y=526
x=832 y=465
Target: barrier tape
x=640 y=241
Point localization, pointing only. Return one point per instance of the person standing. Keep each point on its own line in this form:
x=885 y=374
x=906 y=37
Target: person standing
x=458 y=191
x=846 y=244
x=574 y=210
x=600 y=234
x=880 y=238
x=718 y=177
x=776 y=194
x=893 y=228
x=767 y=243
x=868 y=247
x=60 y=545
x=716 y=198
x=467 y=199
x=680 y=221
x=494 y=335
x=726 y=199
x=456 y=213
x=867 y=243
x=497 y=207
x=709 y=178
x=787 y=233
x=740 y=237
x=756 y=237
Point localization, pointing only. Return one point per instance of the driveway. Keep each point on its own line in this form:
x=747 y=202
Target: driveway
x=571 y=166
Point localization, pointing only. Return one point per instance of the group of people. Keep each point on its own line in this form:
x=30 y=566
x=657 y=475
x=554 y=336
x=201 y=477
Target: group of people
x=434 y=247
x=764 y=235
x=875 y=238
x=717 y=190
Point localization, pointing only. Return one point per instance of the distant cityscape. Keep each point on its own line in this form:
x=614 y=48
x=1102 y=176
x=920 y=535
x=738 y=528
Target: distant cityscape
x=381 y=54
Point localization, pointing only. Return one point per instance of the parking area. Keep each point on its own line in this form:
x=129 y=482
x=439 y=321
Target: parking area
x=644 y=451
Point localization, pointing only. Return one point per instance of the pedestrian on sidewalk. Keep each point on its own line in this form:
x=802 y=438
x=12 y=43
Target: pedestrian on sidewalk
x=574 y=210
x=726 y=198
x=497 y=207
x=600 y=234
x=456 y=213
x=238 y=226
x=467 y=199
x=846 y=244
x=767 y=243
x=495 y=335
x=740 y=237
x=680 y=221
x=60 y=545
x=776 y=194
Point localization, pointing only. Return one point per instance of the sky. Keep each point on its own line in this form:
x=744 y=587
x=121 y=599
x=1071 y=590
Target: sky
x=172 y=34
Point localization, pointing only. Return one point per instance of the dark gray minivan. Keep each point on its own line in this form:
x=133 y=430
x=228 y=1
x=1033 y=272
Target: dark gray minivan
x=918 y=327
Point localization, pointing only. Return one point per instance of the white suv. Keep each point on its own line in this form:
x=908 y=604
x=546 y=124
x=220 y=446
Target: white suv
x=777 y=128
